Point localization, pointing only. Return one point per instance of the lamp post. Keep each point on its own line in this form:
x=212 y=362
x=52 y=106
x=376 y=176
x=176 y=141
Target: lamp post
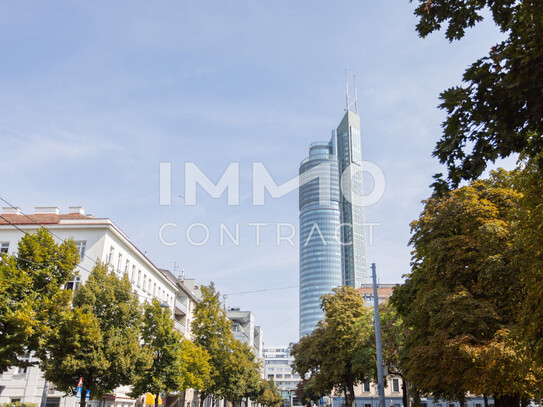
x=378 y=346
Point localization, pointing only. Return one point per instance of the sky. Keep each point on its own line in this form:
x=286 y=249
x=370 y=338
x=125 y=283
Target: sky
x=95 y=95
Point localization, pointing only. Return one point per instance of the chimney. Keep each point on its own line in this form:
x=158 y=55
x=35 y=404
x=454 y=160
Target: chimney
x=54 y=210
x=8 y=210
x=76 y=209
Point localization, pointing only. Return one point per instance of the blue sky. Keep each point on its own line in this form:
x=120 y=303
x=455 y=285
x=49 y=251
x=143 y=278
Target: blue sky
x=94 y=95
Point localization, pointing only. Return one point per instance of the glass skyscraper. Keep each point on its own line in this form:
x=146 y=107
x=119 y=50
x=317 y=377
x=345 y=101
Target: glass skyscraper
x=332 y=236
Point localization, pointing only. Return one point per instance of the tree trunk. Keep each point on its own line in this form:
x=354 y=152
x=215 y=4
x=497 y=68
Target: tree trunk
x=352 y=398
x=405 y=397
x=156 y=399
x=416 y=399
x=202 y=398
x=485 y=400
x=507 y=401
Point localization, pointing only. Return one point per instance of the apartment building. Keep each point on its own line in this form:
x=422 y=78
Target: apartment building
x=98 y=239
x=245 y=330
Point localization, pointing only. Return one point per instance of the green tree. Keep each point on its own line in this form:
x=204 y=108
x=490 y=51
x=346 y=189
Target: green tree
x=340 y=353
x=241 y=374
x=460 y=302
x=162 y=343
x=31 y=296
x=194 y=366
x=393 y=337
x=306 y=392
x=211 y=330
x=269 y=395
x=99 y=340
x=498 y=110
x=528 y=255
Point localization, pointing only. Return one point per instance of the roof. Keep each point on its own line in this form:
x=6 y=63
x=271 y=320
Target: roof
x=169 y=275
x=70 y=219
x=41 y=218
x=383 y=290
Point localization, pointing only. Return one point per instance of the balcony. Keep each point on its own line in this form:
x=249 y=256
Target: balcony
x=180 y=308
x=181 y=328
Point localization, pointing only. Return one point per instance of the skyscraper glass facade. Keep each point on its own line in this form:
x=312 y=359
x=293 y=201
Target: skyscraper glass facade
x=332 y=238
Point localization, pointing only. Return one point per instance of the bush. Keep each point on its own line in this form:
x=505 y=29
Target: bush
x=19 y=404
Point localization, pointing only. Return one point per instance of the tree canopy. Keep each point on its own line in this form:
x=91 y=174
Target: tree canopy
x=32 y=299
x=529 y=253
x=162 y=345
x=460 y=302
x=340 y=353
x=269 y=395
x=211 y=331
x=498 y=110
x=99 y=340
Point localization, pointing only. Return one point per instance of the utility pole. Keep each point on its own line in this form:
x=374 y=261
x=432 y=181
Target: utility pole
x=378 y=346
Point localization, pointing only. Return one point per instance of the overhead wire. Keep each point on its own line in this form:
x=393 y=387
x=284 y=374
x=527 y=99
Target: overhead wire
x=60 y=254
x=96 y=261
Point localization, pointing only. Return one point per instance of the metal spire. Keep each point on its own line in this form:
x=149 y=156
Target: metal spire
x=350 y=103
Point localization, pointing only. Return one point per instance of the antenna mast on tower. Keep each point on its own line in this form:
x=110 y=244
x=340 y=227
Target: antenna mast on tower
x=346 y=91
x=350 y=103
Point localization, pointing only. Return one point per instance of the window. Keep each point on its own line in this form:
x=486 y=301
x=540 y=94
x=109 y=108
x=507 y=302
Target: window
x=127 y=267
x=154 y=290
x=16 y=400
x=74 y=284
x=119 y=261
x=478 y=405
x=395 y=385
x=139 y=278
x=236 y=328
x=367 y=405
x=52 y=402
x=111 y=253
x=366 y=387
x=270 y=376
x=149 y=286
x=134 y=274
x=81 y=246
x=279 y=376
x=4 y=247
x=24 y=359
x=144 y=282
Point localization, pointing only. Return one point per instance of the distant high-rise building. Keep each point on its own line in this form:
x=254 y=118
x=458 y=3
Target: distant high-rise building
x=332 y=236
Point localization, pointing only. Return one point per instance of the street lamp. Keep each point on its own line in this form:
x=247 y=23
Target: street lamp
x=165 y=305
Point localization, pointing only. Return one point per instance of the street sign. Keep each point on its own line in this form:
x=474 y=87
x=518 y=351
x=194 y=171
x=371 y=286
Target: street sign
x=80 y=384
x=87 y=395
x=78 y=392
